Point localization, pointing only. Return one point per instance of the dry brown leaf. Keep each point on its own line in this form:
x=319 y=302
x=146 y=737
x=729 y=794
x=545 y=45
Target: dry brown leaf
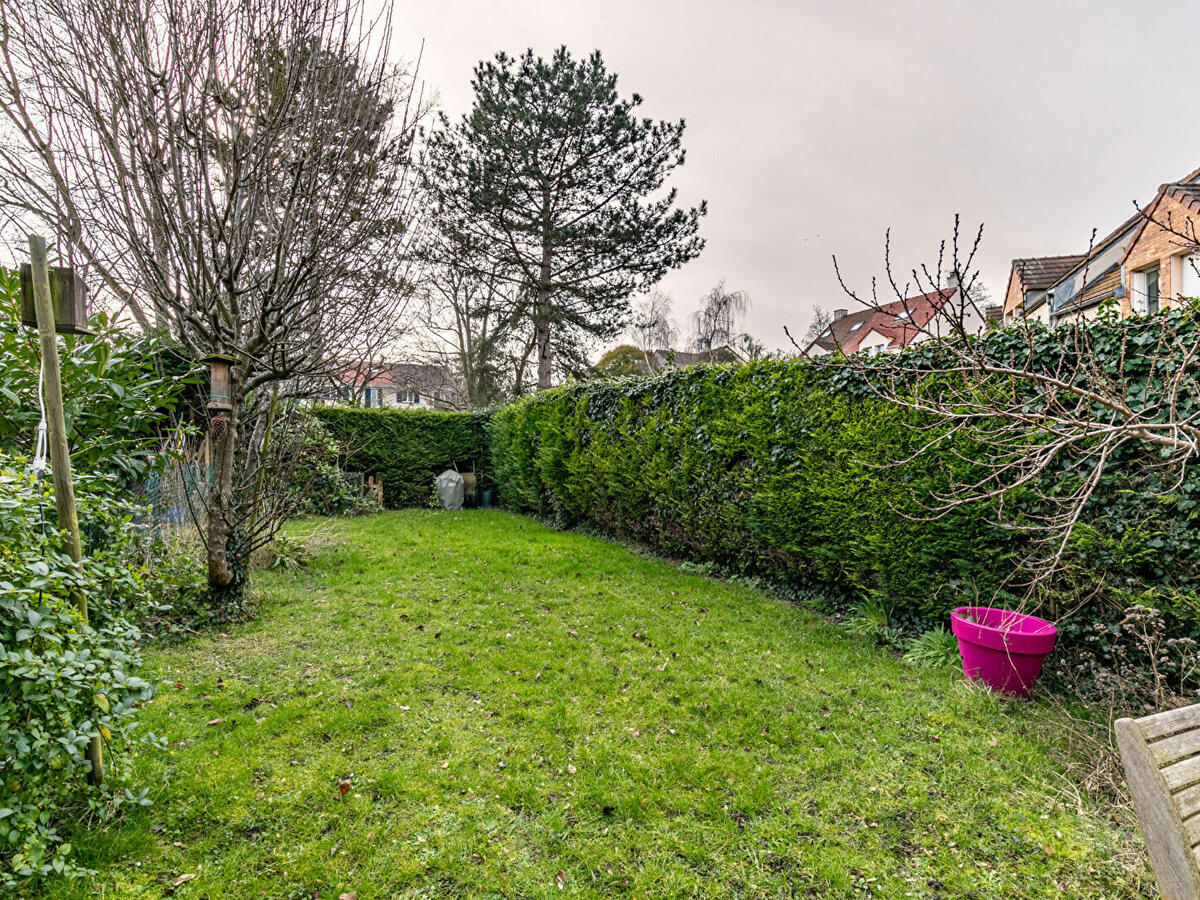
x=560 y=879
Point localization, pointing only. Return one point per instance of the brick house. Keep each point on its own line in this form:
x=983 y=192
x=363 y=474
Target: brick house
x=1028 y=282
x=1162 y=263
x=1139 y=266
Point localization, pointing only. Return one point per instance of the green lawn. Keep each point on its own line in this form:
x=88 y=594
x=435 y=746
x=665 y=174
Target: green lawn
x=517 y=712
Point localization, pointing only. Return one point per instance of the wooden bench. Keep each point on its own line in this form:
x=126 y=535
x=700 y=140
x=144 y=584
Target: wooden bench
x=1161 y=754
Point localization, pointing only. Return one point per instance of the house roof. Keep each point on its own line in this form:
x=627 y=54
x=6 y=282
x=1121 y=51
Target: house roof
x=1039 y=272
x=681 y=358
x=899 y=321
x=401 y=375
x=1186 y=192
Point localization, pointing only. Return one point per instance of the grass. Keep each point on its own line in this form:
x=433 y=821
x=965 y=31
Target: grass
x=517 y=712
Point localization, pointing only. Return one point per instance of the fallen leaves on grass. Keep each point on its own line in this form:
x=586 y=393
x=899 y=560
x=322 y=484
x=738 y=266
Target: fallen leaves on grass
x=181 y=880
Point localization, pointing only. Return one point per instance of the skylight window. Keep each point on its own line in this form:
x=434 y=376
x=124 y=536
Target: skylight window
x=901 y=316
x=857 y=325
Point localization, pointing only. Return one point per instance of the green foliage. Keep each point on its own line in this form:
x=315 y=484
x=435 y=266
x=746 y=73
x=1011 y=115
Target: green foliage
x=62 y=681
x=623 y=360
x=319 y=485
x=936 y=648
x=405 y=448
x=120 y=391
x=873 y=620
x=789 y=470
x=553 y=175
x=764 y=468
x=177 y=584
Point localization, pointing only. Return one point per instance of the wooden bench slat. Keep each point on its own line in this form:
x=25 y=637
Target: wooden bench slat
x=1181 y=774
x=1191 y=828
x=1188 y=801
x=1165 y=724
x=1176 y=865
x=1173 y=749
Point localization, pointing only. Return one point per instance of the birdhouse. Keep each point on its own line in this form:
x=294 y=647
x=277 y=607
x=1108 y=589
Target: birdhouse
x=68 y=297
x=219 y=382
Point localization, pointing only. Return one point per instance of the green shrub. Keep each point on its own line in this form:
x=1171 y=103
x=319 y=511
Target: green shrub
x=936 y=648
x=62 y=681
x=788 y=470
x=121 y=391
x=406 y=449
x=766 y=468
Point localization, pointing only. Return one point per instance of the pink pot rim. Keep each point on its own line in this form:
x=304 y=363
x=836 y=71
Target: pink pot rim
x=1023 y=634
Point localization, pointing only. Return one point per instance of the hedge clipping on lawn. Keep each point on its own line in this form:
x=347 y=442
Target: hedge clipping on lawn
x=406 y=448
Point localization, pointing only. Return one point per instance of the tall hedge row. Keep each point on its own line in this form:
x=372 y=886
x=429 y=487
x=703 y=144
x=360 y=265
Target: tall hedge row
x=766 y=468
x=786 y=469
x=406 y=449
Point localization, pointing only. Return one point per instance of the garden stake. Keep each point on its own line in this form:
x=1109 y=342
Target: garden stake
x=60 y=455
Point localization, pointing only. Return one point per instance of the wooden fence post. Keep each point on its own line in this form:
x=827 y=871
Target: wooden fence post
x=60 y=454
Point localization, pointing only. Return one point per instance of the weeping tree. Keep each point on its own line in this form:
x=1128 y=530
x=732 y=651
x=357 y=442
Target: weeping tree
x=235 y=171
x=555 y=184
x=715 y=323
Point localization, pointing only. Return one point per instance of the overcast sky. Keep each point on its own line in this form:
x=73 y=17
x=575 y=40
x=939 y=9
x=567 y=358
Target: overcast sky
x=814 y=126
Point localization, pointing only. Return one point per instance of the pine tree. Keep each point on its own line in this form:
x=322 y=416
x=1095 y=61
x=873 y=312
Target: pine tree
x=552 y=177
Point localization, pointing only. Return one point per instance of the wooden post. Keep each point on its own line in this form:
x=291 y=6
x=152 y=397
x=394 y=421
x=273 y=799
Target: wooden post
x=60 y=454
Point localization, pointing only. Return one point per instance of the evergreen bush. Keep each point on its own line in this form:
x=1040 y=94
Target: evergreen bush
x=406 y=449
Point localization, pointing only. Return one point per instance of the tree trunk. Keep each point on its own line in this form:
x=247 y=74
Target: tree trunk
x=220 y=506
x=541 y=326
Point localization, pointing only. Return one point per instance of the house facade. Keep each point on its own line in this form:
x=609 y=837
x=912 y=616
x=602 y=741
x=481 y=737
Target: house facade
x=397 y=386
x=1162 y=264
x=1145 y=264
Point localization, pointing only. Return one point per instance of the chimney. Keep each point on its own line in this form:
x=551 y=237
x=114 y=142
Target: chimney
x=839 y=314
x=952 y=280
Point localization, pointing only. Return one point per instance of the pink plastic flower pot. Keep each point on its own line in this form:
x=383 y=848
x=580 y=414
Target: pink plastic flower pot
x=1003 y=649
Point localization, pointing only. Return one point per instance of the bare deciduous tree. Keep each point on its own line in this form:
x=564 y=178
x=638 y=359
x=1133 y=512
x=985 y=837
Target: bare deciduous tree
x=235 y=170
x=652 y=327
x=821 y=320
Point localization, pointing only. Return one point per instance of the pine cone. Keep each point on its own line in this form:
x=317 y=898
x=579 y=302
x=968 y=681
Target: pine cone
x=218 y=426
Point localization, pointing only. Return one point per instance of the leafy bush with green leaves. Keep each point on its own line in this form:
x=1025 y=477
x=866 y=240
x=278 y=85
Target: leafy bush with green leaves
x=120 y=390
x=406 y=448
x=321 y=485
x=62 y=680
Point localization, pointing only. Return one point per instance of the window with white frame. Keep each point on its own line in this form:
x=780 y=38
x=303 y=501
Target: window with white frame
x=1189 y=277
x=1143 y=295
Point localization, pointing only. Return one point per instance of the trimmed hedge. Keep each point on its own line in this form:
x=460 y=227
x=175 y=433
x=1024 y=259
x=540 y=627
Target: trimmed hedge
x=765 y=468
x=784 y=469
x=405 y=448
